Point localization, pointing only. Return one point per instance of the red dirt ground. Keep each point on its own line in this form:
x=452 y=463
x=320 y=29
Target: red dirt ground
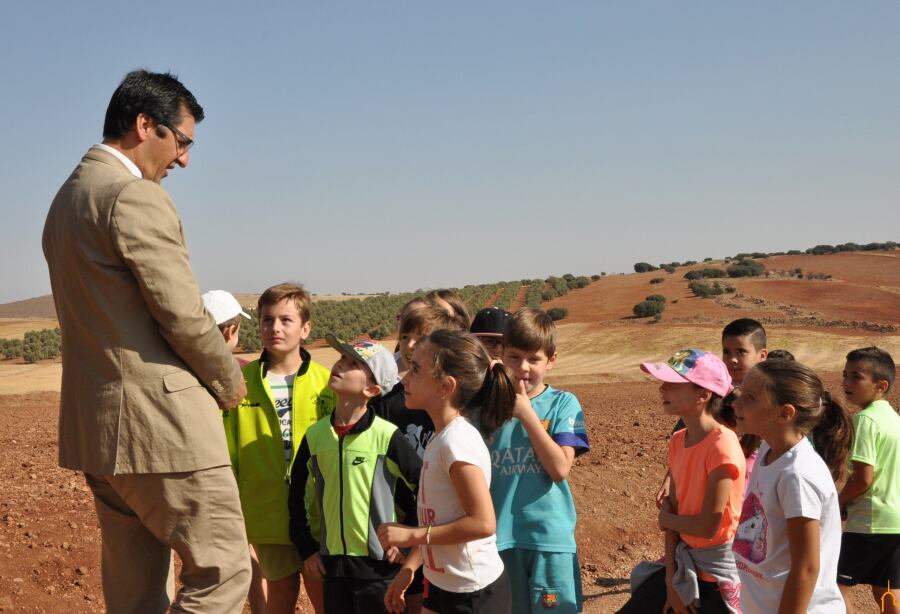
x=50 y=543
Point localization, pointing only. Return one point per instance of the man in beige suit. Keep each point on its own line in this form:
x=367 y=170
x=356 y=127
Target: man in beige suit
x=144 y=365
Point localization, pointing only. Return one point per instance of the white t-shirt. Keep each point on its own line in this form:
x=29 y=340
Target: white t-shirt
x=470 y=566
x=282 y=387
x=797 y=484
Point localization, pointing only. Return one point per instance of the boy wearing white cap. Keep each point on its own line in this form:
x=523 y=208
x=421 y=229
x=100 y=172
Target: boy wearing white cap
x=343 y=481
x=227 y=312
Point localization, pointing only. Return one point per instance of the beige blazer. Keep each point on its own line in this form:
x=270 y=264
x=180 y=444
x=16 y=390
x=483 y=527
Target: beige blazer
x=142 y=358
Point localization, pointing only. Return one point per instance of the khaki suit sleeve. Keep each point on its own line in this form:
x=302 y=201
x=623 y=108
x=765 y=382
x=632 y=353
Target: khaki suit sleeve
x=148 y=235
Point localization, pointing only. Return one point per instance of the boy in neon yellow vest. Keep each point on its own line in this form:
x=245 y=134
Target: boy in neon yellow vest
x=286 y=393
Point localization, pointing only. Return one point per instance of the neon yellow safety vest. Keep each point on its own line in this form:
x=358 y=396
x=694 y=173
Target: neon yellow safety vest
x=257 y=451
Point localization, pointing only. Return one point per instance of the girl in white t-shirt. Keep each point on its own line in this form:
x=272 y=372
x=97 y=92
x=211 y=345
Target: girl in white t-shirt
x=451 y=377
x=789 y=536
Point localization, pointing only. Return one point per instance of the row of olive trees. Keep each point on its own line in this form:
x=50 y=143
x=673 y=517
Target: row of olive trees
x=34 y=346
x=376 y=316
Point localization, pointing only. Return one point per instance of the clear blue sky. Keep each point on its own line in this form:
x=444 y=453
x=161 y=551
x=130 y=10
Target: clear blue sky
x=369 y=146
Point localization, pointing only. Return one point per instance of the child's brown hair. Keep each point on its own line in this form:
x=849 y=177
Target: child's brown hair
x=235 y=321
x=826 y=420
x=457 y=305
x=531 y=330
x=485 y=392
x=295 y=293
x=424 y=320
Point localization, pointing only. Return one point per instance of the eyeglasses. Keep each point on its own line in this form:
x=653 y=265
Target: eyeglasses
x=182 y=141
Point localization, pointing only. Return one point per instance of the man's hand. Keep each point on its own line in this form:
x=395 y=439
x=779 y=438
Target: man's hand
x=240 y=393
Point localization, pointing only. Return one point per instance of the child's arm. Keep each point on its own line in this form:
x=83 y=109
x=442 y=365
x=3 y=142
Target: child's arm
x=673 y=600
x=477 y=523
x=803 y=537
x=857 y=484
x=299 y=523
x=706 y=523
x=664 y=488
x=556 y=459
x=395 y=597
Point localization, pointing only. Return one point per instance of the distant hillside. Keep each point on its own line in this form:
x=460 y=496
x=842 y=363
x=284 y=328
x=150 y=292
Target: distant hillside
x=38 y=307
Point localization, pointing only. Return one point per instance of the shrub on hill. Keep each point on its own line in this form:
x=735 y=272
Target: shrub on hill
x=557 y=313
x=705 y=273
x=659 y=298
x=646 y=309
x=704 y=289
x=746 y=268
x=707 y=259
x=644 y=267
x=657 y=280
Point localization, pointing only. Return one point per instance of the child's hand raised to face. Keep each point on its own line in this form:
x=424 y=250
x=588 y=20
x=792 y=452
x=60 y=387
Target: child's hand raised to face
x=523 y=403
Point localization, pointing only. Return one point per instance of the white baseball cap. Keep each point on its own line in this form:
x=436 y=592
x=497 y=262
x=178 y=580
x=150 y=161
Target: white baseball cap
x=222 y=305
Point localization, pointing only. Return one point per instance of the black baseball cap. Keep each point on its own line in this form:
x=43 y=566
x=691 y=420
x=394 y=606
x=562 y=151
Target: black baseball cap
x=490 y=321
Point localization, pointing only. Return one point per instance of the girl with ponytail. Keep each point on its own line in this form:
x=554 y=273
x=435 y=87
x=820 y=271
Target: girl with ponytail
x=452 y=378
x=789 y=536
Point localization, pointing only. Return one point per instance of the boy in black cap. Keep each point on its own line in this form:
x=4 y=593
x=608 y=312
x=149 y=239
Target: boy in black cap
x=489 y=325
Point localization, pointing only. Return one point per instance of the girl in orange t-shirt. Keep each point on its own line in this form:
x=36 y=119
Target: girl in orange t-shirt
x=704 y=504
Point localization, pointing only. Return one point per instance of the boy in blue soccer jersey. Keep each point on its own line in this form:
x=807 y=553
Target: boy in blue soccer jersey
x=531 y=457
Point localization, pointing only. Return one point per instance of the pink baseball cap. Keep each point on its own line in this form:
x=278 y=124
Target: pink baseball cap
x=694 y=367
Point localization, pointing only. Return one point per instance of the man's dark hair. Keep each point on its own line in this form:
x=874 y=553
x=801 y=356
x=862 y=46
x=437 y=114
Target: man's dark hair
x=158 y=95
x=744 y=327
x=876 y=362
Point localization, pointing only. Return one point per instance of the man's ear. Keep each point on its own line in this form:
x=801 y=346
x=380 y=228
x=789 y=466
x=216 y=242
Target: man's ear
x=144 y=126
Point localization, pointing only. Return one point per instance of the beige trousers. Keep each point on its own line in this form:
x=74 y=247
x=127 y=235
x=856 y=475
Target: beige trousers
x=143 y=517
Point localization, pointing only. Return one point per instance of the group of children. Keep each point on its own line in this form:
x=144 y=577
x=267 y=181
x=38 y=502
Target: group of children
x=433 y=478
x=428 y=479
x=750 y=506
